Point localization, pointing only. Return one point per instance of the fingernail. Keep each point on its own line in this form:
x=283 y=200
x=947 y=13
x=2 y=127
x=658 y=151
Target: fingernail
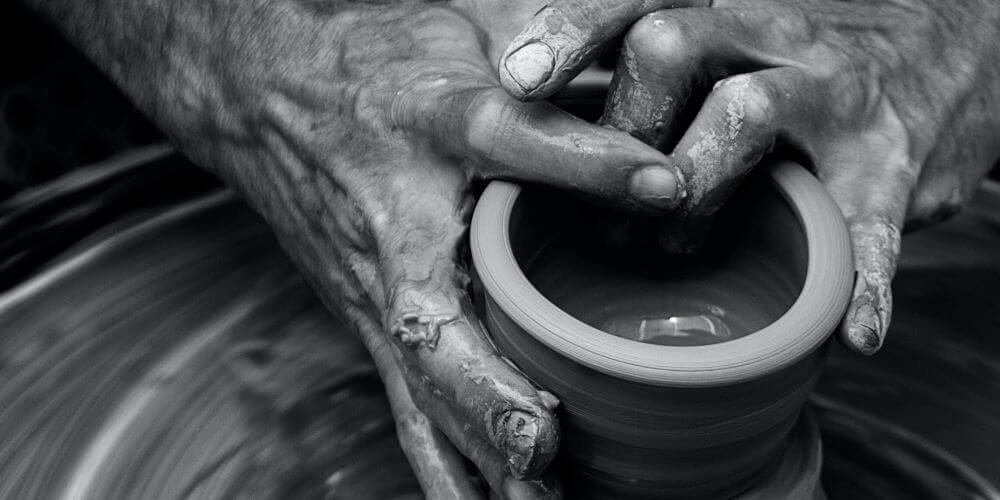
x=863 y=335
x=520 y=431
x=864 y=339
x=530 y=66
x=655 y=187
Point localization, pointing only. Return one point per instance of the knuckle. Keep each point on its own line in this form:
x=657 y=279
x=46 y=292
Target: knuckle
x=790 y=24
x=903 y=171
x=948 y=209
x=662 y=38
x=751 y=94
x=418 y=97
x=377 y=219
x=487 y=122
x=877 y=245
x=930 y=207
x=440 y=18
x=367 y=106
x=411 y=423
x=794 y=21
x=644 y=33
x=431 y=99
x=759 y=103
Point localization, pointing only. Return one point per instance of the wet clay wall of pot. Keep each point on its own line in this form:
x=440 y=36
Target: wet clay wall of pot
x=627 y=439
x=622 y=439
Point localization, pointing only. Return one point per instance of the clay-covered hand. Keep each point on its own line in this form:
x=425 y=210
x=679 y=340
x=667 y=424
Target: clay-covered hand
x=357 y=132
x=896 y=105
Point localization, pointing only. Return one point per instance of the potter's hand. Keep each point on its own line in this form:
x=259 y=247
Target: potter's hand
x=896 y=104
x=355 y=130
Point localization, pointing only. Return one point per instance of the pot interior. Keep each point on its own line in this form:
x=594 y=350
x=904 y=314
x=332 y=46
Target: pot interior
x=612 y=271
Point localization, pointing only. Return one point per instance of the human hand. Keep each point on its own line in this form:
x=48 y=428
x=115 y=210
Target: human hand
x=896 y=105
x=357 y=134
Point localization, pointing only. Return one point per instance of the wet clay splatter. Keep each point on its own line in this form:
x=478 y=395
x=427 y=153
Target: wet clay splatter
x=415 y=330
x=710 y=151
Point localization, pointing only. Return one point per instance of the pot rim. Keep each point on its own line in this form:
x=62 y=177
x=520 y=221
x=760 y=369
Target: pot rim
x=802 y=329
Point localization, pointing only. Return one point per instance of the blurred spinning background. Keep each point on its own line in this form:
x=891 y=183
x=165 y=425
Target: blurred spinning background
x=155 y=343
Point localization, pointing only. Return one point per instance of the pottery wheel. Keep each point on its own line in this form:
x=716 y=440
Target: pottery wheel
x=173 y=352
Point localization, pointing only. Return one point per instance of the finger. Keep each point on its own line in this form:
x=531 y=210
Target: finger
x=875 y=210
x=491 y=464
x=564 y=37
x=738 y=123
x=502 y=407
x=498 y=137
x=429 y=317
x=876 y=239
x=473 y=121
x=666 y=59
x=434 y=458
x=872 y=183
x=439 y=468
x=540 y=143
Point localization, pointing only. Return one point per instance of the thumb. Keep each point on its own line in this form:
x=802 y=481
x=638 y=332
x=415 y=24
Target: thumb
x=876 y=241
x=562 y=39
x=430 y=321
x=874 y=195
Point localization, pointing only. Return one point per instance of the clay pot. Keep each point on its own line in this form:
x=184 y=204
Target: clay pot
x=678 y=377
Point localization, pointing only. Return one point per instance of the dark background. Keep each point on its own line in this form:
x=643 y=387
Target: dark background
x=58 y=111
